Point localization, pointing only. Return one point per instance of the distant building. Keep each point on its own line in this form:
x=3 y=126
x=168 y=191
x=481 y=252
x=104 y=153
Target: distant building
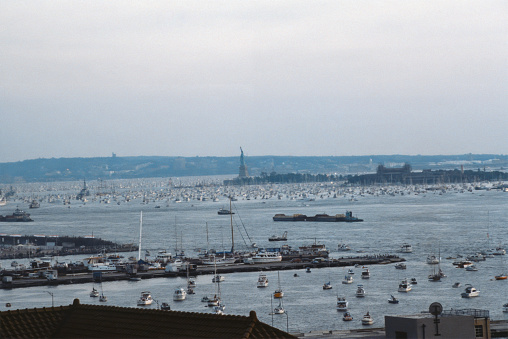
x=243 y=173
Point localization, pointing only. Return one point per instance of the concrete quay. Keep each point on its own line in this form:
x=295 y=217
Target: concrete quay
x=87 y=277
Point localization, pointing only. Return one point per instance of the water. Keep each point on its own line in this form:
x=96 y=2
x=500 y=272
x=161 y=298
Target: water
x=452 y=223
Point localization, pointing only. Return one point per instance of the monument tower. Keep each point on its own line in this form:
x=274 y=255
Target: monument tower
x=243 y=173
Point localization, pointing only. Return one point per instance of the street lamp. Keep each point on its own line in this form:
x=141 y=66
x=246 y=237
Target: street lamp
x=51 y=294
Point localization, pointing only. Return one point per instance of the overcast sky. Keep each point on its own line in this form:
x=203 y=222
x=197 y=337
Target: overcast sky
x=187 y=78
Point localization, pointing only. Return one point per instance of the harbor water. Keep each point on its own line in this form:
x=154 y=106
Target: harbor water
x=449 y=222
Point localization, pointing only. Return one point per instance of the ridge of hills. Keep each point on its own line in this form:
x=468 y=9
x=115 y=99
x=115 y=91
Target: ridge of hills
x=70 y=169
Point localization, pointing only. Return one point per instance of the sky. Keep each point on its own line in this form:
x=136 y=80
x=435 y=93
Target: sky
x=293 y=78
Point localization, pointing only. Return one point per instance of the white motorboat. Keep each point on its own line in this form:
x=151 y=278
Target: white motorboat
x=472 y=268
x=342 y=304
x=344 y=247
x=400 y=266
x=145 y=299
x=367 y=319
x=365 y=273
x=179 y=294
x=265 y=257
x=360 y=291
x=348 y=279
x=470 y=292
x=432 y=260
x=327 y=286
x=404 y=286
x=262 y=280
x=350 y=271
x=406 y=248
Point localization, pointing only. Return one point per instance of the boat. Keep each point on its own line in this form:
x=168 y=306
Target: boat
x=343 y=247
x=463 y=264
x=456 y=285
x=367 y=319
x=347 y=316
x=342 y=304
x=472 y=268
x=34 y=204
x=348 y=217
x=3 y=201
x=279 y=309
x=179 y=294
x=283 y=237
x=432 y=260
x=94 y=293
x=406 y=248
x=505 y=307
x=213 y=260
x=327 y=286
x=165 y=306
x=103 y=298
x=413 y=281
x=350 y=271
x=278 y=292
x=307 y=270
x=360 y=291
x=224 y=211
x=218 y=278
x=365 y=273
x=470 y=292
x=17 y=216
x=404 y=286
x=348 y=279
x=400 y=266
x=145 y=299
x=393 y=300
x=262 y=280
x=266 y=257
x=502 y=276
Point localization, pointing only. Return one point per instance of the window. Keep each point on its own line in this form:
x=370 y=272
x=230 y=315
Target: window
x=478 y=331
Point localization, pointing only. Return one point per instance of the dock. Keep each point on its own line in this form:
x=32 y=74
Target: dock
x=65 y=278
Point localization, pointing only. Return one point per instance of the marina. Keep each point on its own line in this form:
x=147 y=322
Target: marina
x=451 y=221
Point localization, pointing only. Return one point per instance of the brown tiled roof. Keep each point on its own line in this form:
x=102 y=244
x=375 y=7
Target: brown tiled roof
x=98 y=321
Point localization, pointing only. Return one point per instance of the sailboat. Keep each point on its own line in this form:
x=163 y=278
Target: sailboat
x=503 y=275
x=278 y=292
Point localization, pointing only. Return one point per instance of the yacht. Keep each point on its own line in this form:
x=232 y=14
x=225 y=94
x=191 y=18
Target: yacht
x=264 y=257
x=406 y=248
x=470 y=292
x=404 y=286
x=360 y=291
x=279 y=309
x=365 y=273
x=400 y=266
x=432 y=260
x=342 y=304
x=347 y=316
x=367 y=319
x=179 y=294
x=262 y=280
x=103 y=298
x=348 y=279
x=145 y=299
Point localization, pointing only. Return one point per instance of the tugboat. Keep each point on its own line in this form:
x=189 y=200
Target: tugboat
x=18 y=215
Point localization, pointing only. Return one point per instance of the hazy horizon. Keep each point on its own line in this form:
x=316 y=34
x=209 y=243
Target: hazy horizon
x=289 y=78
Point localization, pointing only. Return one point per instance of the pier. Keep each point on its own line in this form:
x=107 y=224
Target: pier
x=65 y=278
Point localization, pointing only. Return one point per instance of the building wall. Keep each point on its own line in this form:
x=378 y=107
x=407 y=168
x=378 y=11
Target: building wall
x=450 y=327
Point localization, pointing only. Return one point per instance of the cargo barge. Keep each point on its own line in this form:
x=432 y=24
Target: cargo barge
x=348 y=217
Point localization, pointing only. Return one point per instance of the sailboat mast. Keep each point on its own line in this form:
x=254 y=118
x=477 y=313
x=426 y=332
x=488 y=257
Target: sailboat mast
x=140 y=232
x=232 y=235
